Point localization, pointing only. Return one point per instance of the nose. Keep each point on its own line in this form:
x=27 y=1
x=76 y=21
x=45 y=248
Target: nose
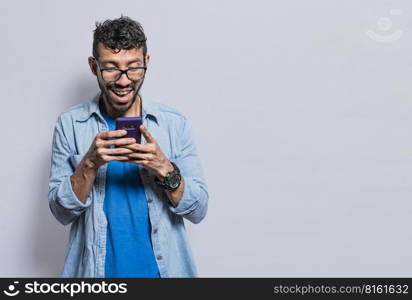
x=123 y=80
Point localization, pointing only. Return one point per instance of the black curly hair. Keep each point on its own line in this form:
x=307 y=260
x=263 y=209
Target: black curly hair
x=118 y=34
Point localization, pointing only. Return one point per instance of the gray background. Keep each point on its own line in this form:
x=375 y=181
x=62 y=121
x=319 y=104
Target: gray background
x=302 y=122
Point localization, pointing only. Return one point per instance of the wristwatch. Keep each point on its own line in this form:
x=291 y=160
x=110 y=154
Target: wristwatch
x=172 y=180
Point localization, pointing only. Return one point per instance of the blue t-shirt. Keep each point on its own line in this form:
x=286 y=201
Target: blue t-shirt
x=129 y=251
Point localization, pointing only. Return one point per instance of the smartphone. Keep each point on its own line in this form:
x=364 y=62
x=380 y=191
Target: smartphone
x=132 y=126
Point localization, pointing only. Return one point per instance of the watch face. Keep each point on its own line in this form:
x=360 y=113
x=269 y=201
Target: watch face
x=174 y=181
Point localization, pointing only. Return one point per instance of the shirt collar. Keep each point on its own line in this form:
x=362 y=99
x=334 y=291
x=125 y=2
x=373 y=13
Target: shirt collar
x=92 y=107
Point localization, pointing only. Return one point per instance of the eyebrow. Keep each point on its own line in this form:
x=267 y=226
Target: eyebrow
x=115 y=63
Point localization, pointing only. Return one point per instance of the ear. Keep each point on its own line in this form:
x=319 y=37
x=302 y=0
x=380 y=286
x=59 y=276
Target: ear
x=147 y=59
x=92 y=64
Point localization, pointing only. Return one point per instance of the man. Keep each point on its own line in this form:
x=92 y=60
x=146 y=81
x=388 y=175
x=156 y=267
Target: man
x=126 y=201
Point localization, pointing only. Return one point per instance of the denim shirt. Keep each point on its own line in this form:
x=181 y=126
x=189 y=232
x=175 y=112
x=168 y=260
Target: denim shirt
x=74 y=132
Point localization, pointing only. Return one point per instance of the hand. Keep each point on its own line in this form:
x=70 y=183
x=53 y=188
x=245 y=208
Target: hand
x=100 y=152
x=149 y=155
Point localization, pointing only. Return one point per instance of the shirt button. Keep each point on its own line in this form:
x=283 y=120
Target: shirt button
x=155 y=230
x=159 y=257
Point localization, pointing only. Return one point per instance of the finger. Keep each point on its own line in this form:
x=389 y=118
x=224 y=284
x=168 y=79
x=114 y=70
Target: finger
x=115 y=151
x=140 y=148
x=147 y=134
x=119 y=142
x=115 y=157
x=140 y=156
x=138 y=161
x=105 y=135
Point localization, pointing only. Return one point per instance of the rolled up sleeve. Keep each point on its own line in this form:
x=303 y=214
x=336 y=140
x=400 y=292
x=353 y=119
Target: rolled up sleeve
x=194 y=201
x=63 y=202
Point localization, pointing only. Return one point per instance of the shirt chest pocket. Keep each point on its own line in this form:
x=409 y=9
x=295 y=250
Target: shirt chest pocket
x=165 y=147
x=163 y=140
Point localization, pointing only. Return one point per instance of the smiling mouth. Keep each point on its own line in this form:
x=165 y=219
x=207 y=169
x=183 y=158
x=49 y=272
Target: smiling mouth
x=121 y=93
x=121 y=97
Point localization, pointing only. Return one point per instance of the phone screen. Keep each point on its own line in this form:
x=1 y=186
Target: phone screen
x=132 y=126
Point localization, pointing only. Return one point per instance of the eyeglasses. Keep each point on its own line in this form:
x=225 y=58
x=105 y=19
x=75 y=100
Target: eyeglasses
x=114 y=74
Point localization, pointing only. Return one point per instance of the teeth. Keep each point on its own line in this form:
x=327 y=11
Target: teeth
x=121 y=93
